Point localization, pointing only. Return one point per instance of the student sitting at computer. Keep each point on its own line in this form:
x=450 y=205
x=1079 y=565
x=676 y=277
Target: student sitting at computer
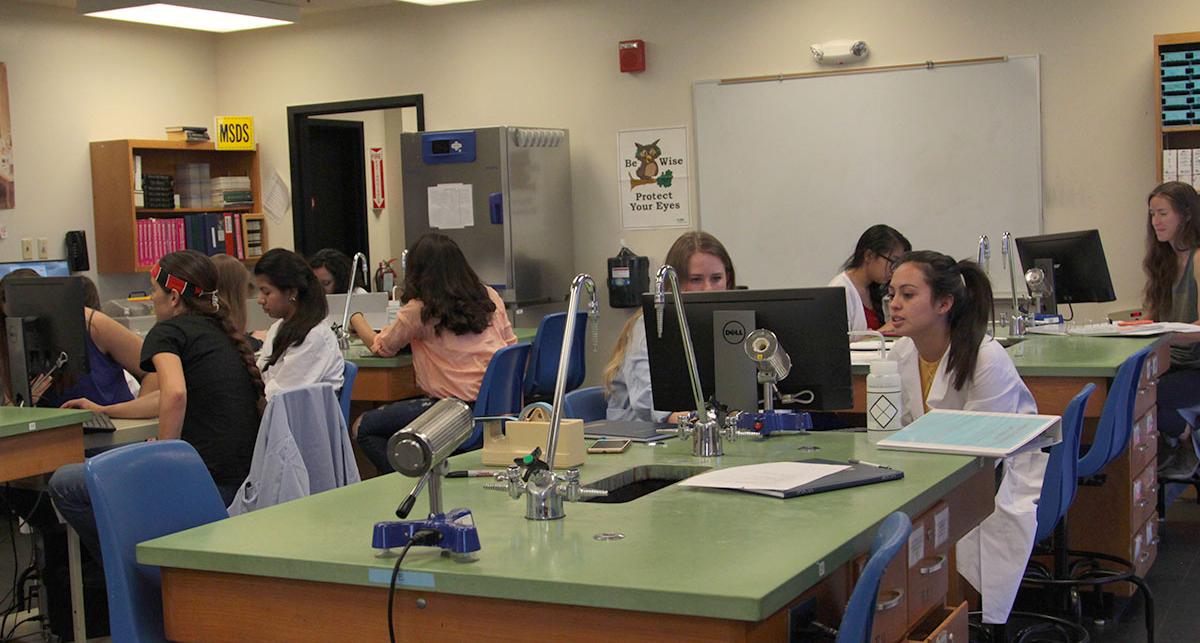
x=454 y=323
x=865 y=276
x=300 y=349
x=332 y=268
x=701 y=263
x=1172 y=273
x=940 y=306
x=112 y=349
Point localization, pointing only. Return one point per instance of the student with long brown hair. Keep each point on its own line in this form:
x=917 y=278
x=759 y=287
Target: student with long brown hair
x=1172 y=273
x=701 y=263
x=866 y=273
x=210 y=390
x=454 y=323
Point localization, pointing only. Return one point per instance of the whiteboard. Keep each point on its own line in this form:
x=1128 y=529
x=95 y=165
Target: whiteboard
x=791 y=172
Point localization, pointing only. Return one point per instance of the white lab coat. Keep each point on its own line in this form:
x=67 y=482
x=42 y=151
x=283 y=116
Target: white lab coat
x=630 y=396
x=315 y=361
x=855 y=315
x=992 y=557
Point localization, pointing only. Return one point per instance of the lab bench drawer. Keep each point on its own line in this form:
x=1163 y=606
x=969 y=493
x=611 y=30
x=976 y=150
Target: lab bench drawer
x=1143 y=441
x=928 y=561
x=1144 y=498
x=945 y=625
x=1147 y=397
x=891 y=604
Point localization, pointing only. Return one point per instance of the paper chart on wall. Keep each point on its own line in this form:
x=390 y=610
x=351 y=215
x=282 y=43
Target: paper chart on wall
x=451 y=206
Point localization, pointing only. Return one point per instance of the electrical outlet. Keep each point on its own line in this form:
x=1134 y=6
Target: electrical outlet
x=27 y=249
x=3 y=231
x=43 y=248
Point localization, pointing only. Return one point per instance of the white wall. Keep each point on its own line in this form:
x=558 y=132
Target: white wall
x=72 y=80
x=553 y=63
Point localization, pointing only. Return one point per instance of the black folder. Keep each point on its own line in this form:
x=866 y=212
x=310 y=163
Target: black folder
x=857 y=475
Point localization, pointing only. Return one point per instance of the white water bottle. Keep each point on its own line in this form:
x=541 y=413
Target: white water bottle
x=884 y=405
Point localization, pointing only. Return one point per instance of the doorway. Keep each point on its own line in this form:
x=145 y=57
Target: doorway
x=328 y=168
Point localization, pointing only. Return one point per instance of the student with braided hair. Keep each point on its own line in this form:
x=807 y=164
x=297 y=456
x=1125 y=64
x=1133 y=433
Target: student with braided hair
x=211 y=392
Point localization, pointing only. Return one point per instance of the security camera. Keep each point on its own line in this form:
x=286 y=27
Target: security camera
x=840 y=52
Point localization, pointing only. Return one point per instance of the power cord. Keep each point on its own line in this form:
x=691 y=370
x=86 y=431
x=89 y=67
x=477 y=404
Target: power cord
x=1070 y=309
x=421 y=537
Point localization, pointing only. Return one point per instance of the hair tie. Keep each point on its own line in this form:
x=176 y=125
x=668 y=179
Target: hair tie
x=181 y=287
x=216 y=302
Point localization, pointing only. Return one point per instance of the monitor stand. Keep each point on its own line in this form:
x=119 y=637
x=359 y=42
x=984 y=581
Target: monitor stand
x=735 y=374
x=18 y=368
x=1049 y=301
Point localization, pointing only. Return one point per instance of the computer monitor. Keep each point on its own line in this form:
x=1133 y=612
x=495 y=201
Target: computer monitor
x=1073 y=263
x=44 y=319
x=58 y=268
x=810 y=324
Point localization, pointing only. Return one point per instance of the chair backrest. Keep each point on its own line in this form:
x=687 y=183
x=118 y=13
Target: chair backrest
x=586 y=404
x=1116 y=420
x=139 y=492
x=500 y=392
x=1061 y=480
x=860 y=611
x=543 y=359
x=349 y=374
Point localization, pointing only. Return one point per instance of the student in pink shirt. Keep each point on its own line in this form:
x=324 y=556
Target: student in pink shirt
x=454 y=324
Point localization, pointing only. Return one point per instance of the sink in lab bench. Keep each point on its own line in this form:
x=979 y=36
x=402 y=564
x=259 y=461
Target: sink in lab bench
x=641 y=480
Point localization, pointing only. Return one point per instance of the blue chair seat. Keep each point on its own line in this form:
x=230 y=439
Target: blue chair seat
x=500 y=392
x=587 y=404
x=543 y=358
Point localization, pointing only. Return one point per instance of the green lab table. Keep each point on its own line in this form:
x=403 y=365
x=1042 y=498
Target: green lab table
x=716 y=564
x=34 y=441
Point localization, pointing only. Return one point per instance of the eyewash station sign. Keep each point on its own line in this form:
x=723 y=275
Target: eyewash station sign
x=652 y=178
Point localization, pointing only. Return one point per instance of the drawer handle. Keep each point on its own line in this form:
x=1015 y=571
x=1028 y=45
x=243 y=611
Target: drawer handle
x=1143 y=503
x=1141 y=447
x=891 y=603
x=935 y=567
x=1145 y=556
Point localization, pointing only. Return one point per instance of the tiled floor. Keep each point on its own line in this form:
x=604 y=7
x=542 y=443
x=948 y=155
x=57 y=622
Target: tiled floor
x=1174 y=581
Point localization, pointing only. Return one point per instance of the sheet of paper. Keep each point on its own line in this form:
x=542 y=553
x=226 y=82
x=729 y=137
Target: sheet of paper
x=277 y=200
x=451 y=206
x=769 y=476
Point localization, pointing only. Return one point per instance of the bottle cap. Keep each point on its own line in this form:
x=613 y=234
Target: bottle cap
x=885 y=367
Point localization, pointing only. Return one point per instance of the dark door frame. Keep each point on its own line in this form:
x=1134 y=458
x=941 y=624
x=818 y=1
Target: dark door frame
x=297 y=114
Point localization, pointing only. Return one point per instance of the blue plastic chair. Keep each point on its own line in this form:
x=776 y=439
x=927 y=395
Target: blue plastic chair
x=860 y=611
x=543 y=360
x=139 y=492
x=587 y=404
x=500 y=392
x=349 y=374
x=1116 y=420
x=1062 y=477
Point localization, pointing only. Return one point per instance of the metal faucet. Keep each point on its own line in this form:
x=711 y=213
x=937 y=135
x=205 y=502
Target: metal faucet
x=985 y=262
x=706 y=433
x=343 y=331
x=542 y=490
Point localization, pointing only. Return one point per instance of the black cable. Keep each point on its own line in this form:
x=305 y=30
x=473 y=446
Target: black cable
x=1070 y=309
x=13 y=631
x=421 y=537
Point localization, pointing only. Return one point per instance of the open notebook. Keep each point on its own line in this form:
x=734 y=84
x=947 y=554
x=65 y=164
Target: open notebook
x=791 y=479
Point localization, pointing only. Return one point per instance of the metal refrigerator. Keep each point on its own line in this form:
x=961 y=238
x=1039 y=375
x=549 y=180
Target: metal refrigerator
x=504 y=195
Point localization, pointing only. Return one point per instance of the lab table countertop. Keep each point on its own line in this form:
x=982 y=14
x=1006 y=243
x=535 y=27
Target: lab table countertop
x=713 y=553
x=363 y=358
x=18 y=420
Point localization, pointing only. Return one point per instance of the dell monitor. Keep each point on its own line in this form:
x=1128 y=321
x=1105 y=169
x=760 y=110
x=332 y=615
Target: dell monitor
x=45 y=319
x=810 y=324
x=1073 y=265
x=56 y=268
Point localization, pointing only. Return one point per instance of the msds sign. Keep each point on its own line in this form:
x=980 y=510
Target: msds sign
x=234 y=133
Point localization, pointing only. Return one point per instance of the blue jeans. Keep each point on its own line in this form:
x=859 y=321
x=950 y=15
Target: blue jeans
x=378 y=426
x=68 y=489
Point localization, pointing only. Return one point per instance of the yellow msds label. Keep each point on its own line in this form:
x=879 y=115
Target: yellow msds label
x=234 y=133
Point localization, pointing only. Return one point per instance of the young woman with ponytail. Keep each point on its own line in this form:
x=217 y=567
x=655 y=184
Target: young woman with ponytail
x=940 y=307
x=300 y=349
x=210 y=390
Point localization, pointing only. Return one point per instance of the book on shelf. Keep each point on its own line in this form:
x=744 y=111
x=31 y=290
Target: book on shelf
x=187 y=128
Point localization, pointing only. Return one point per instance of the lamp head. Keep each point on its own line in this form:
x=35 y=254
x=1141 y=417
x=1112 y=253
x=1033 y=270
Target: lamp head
x=763 y=347
x=431 y=438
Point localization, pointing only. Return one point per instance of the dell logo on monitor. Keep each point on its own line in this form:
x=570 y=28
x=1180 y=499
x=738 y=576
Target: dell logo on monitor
x=734 y=332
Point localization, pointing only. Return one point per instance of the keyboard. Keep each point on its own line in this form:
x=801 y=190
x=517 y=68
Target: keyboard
x=100 y=423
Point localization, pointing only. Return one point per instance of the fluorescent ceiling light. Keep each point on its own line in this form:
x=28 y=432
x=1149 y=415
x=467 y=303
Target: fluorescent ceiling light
x=432 y=3
x=221 y=16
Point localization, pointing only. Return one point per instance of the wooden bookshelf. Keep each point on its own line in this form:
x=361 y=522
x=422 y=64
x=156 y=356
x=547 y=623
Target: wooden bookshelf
x=1171 y=136
x=113 y=191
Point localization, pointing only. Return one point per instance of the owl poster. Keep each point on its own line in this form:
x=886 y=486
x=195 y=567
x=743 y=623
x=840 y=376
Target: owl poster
x=652 y=178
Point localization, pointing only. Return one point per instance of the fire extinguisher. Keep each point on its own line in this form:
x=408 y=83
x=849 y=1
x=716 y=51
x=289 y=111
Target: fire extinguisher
x=385 y=276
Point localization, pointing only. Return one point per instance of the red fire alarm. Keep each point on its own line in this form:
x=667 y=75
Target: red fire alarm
x=633 y=55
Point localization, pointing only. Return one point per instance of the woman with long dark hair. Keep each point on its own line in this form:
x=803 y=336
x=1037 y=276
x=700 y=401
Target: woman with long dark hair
x=454 y=323
x=866 y=273
x=940 y=307
x=1172 y=273
x=332 y=268
x=210 y=390
x=299 y=349
x=701 y=263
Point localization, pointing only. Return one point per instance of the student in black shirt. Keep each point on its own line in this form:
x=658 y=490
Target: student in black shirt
x=210 y=390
